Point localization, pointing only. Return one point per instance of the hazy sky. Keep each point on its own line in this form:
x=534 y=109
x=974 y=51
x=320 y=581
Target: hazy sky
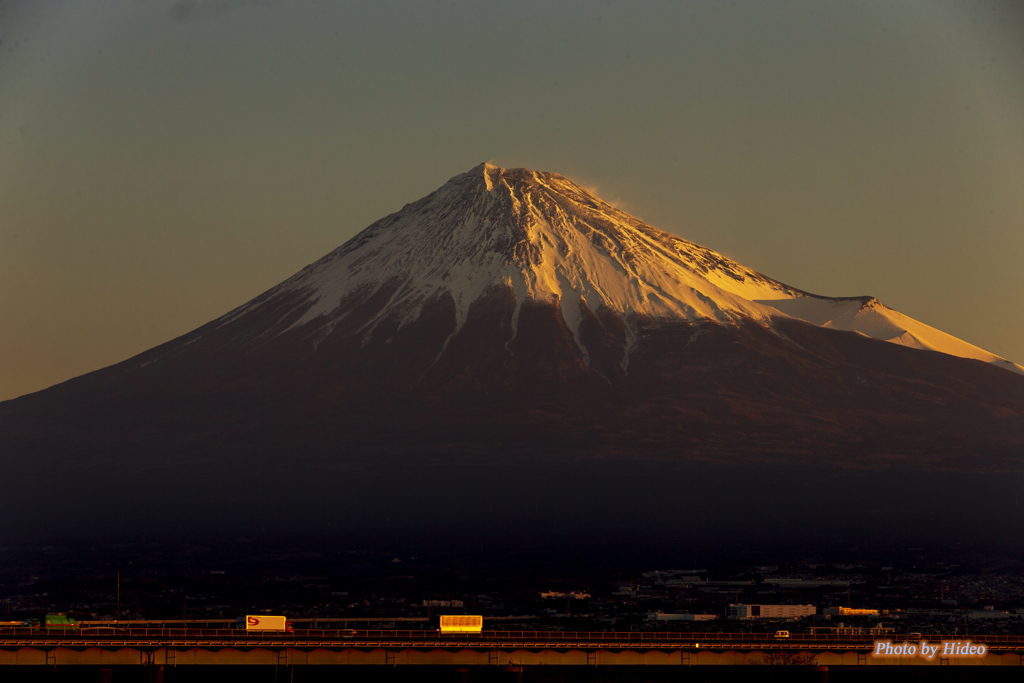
x=164 y=162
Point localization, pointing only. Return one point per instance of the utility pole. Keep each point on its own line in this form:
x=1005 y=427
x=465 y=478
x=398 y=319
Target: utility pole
x=631 y=606
x=117 y=619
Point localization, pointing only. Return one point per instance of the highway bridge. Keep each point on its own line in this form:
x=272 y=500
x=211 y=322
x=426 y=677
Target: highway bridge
x=174 y=647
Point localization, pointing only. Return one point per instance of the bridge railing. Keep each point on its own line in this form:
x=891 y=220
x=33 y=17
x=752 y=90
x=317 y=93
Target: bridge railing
x=689 y=638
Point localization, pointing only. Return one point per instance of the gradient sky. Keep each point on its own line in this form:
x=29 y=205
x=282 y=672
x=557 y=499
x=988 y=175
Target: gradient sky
x=164 y=162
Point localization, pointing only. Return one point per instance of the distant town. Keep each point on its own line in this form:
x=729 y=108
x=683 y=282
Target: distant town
x=383 y=590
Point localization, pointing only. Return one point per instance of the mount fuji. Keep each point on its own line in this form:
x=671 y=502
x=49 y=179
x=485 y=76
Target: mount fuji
x=506 y=337
x=541 y=238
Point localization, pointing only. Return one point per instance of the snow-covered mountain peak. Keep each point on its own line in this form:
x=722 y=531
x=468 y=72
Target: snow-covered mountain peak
x=548 y=240
x=543 y=236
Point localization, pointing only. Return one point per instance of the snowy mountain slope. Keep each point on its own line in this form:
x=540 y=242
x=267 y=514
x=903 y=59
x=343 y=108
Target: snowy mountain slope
x=548 y=240
x=873 y=319
x=540 y=235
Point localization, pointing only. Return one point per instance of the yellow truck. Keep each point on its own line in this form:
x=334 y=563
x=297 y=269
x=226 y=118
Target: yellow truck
x=461 y=623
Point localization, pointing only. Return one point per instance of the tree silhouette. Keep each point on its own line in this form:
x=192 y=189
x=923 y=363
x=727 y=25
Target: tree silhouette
x=787 y=659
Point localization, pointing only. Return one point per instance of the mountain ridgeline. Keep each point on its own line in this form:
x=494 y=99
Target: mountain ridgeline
x=511 y=350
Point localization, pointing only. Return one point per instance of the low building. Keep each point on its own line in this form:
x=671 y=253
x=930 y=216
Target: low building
x=443 y=603
x=843 y=630
x=552 y=595
x=837 y=630
x=770 y=611
x=808 y=583
x=988 y=613
x=850 y=612
x=661 y=616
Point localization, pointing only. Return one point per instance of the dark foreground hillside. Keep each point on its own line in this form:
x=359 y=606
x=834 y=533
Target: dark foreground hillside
x=746 y=436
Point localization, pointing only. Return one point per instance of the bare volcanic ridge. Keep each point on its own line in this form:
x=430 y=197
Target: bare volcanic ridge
x=512 y=320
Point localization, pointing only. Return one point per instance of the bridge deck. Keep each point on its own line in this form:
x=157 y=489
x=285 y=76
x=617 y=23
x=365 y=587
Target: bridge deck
x=174 y=647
